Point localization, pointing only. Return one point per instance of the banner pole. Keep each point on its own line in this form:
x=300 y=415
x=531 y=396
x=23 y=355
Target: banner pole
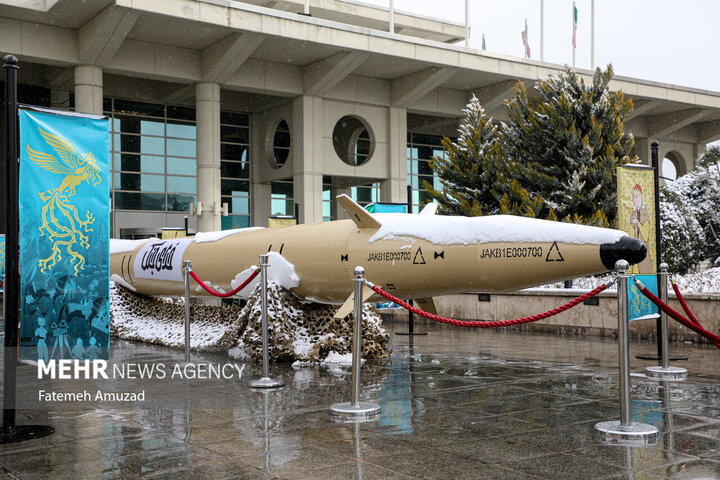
x=11 y=246
x=10 y=431
x=655 y=147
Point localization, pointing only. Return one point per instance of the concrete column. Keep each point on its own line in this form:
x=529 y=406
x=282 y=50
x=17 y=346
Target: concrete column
x=393 y=189
x=340 y=189
x=307 y=157
x=642 y=150
x=207 y=113
x=259 y=192
x=89 y=89
x=60 y=99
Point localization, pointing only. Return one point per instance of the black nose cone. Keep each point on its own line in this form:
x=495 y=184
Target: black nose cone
x=627 y=248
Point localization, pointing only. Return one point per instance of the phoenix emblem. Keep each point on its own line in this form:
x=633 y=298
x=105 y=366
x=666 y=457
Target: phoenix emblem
x=61 y=221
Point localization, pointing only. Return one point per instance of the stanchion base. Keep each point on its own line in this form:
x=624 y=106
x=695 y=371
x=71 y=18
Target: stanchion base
x=266 y=382
x=348 y=411
x=410 y=333
x=25 y=432
x=636 y=434
x=670 y=373
x=673 y=357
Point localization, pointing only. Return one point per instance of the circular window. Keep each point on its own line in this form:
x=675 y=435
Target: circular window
x=281 y=144
x=353 y=140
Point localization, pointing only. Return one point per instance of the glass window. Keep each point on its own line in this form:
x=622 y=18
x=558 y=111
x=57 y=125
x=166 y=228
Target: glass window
x=232 y=118
x=235 y=221
x=179 y=203
x=181 y=113
x=181 y=148
x=237 y=204
x=230 y=151
x=235 y=169
x=152 y=127
x=181 y=166
x=181 y=130
x=234 y=187
x=139 y=108
x=233 y=134
x=152 y=145
x=139 y=182
x=139 y=201
x=181 y=184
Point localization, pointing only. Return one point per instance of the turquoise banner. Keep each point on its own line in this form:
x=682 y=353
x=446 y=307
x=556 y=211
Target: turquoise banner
x=2 y=260
x=639 y=307
x=64 y=235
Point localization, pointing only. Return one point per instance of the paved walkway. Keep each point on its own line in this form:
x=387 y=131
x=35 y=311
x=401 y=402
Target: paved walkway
x=455 y=404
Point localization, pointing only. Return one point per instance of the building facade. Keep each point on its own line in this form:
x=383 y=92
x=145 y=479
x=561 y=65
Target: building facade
x=245 y=109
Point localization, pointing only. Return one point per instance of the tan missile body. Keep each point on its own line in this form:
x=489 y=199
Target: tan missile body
x=324 y=255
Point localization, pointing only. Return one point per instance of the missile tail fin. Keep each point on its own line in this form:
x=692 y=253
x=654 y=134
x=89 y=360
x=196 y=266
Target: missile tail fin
x=347 y=307
x=361 y=217
x=426 y=304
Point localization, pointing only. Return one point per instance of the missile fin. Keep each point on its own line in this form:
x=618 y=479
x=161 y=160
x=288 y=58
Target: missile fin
x=361 y=217
x=426 y=304
x=429 y=209
x=347 y=307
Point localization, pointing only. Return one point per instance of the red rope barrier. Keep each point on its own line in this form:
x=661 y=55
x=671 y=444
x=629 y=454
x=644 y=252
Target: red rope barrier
x=684 y=305
x=714 y=339
x=228 y=294
x=489 y=324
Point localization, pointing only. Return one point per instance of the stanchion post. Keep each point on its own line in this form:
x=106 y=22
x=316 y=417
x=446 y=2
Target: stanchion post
x=265 y=381
x=625 y=431
x=664 y=371
x=355 y=410
x=186 y=273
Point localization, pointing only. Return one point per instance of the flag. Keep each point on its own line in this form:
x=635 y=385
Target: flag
x=574 y=25
x=525 y=40
x=483 y=42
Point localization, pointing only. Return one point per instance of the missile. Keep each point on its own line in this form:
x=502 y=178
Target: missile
x=410 y=256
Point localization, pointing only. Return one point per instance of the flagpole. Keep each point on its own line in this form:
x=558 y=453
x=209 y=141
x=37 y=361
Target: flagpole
x=592 y=34
x=573 y=22
x=391 y=29
x=467 y=23
x=542 y=30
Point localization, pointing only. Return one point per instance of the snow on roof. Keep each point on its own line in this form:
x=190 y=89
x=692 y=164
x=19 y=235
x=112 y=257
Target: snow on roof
x=202 y=237
x=455 y=230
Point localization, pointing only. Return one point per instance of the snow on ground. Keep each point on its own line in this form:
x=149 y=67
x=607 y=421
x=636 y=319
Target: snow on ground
x=707 y=282
x=453 y=230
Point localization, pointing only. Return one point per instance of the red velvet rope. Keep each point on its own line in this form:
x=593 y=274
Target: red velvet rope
x=494 y=324
x=685 y=305
x=714 y=339
x=228 y=294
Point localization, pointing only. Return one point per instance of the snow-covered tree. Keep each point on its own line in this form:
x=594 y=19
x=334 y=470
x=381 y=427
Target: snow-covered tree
x=699 y=193
x=682 y=235
x=563 y=146
x=467 y=170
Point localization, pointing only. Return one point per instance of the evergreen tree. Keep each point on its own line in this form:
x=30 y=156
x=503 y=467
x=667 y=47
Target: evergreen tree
x=699 y=193
x=468 y=169
x=564 y=146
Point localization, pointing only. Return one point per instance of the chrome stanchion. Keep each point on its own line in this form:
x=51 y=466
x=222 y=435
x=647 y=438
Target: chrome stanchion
x=186 y=273
x=265 y=381
x=355 y=409
x=625 y=431
x=664 y=371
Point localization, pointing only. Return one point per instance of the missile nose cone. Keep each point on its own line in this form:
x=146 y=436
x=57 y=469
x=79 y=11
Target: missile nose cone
x=627 y=248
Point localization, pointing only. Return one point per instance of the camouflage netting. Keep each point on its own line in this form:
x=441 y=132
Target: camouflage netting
x=296 y=330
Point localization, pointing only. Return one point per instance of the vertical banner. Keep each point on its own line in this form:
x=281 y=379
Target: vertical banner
x=64 y=235
x=636 y=217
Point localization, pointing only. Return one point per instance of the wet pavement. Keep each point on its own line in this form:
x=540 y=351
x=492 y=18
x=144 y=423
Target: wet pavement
x=455 y=404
